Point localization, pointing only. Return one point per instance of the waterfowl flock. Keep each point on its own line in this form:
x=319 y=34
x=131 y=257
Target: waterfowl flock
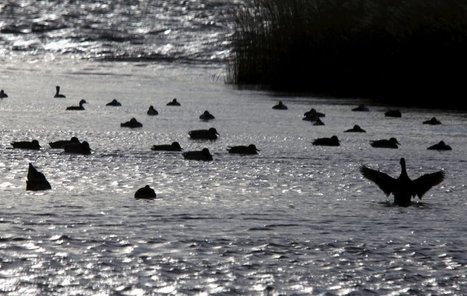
x=402 y=188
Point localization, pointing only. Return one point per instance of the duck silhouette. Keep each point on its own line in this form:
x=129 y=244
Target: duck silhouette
x=432 y=121
x=78 y=148
x=355 y=129
x=390 y=143
x=312 y=115
x=114 y=103
x=203 y=155
x=393 y=113
x=403 y=188
x=441 y=146
x=332 y=141
x=78 y=108
x=175 y=146
x=206 y=116
x=145 y=193
x=3 y=94
x=36 y=180
x=174 y=102
x=152 y=111
x=61 y=143
x=133 y=123
x=361 y=108
x=31 y=145
x=318 y=122
x=280 y=106
x=57 y=93
x=250 y=149
x=209 y=134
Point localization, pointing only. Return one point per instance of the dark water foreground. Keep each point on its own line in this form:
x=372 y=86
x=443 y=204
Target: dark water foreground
x=294 y=219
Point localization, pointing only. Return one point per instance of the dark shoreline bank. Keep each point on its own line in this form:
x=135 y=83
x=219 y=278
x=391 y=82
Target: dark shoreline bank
x=402 y=53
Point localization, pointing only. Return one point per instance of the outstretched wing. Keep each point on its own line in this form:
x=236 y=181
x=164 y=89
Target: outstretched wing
x=425 y=182
x=384 y=182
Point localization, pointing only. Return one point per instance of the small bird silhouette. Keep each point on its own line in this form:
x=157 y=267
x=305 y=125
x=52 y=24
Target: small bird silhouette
x=78 y=108
x=114 y=103
x=280 y=106
x=57 y=93
x=403 y=188
x=175 y=146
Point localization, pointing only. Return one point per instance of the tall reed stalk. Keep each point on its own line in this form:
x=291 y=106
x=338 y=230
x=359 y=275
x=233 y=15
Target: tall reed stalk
x=352 y=47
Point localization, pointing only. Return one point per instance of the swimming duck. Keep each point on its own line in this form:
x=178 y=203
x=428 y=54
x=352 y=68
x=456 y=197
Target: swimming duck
x=206 y=116
x=57 y=93
x=361 y=108
x=318 y=122
x=60 y=144
x=432 y=121
x=78 y=148
x=133 y=123
x=145 y=193
x=36 y=180
x=204 y=155
x=77 y=108
x=32 y=145
x=175 y=146
x=312 y=115
x=391 y=143
x=3 y=94
x=152 y=111
x=210 y=134
x=393 y=113
x=280 y=106
x=441 y=146
x=250 y=149
x=114 y=103
x=403 y=188
x=356 y=129
x=332 y=141
x=174 y=102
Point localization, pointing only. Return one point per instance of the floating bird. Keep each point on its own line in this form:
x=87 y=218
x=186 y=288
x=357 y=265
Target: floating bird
x=312 y=115
x=391 y=143
x=318 y=122
x=60 y=144
x=78 y=108
x=32 y=145
x=403 y=188
x=393 y=113
x=145 y=193
x=441 y=146
x=174 y=102
x=432 y=121
x=210 y=134
x=3 y=94
x=152 y=111
x=204 y=155
x=78 y=148
x=250 y=149
x=114 y=103
x=206 y=116
x=361 y=108
x=57 y=93
x=356 y=129
x=133 y=123
x=280 y=106
x=332 y=141
x=175 y=146
x=36 y=180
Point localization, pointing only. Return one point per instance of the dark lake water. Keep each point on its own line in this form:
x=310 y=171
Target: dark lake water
x=296 y=219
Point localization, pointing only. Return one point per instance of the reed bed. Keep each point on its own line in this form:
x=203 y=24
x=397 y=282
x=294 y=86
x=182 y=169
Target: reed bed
x=375 y=48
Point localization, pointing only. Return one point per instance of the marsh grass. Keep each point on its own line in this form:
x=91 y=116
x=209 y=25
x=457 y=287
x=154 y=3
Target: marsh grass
x=375 y=48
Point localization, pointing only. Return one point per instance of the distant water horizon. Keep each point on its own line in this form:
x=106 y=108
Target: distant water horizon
x=146 y=30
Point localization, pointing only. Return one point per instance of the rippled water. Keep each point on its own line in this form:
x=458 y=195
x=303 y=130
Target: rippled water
x=295 y=219
x=169 y=30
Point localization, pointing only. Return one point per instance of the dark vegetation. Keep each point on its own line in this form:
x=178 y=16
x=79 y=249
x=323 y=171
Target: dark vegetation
x=401 y=51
